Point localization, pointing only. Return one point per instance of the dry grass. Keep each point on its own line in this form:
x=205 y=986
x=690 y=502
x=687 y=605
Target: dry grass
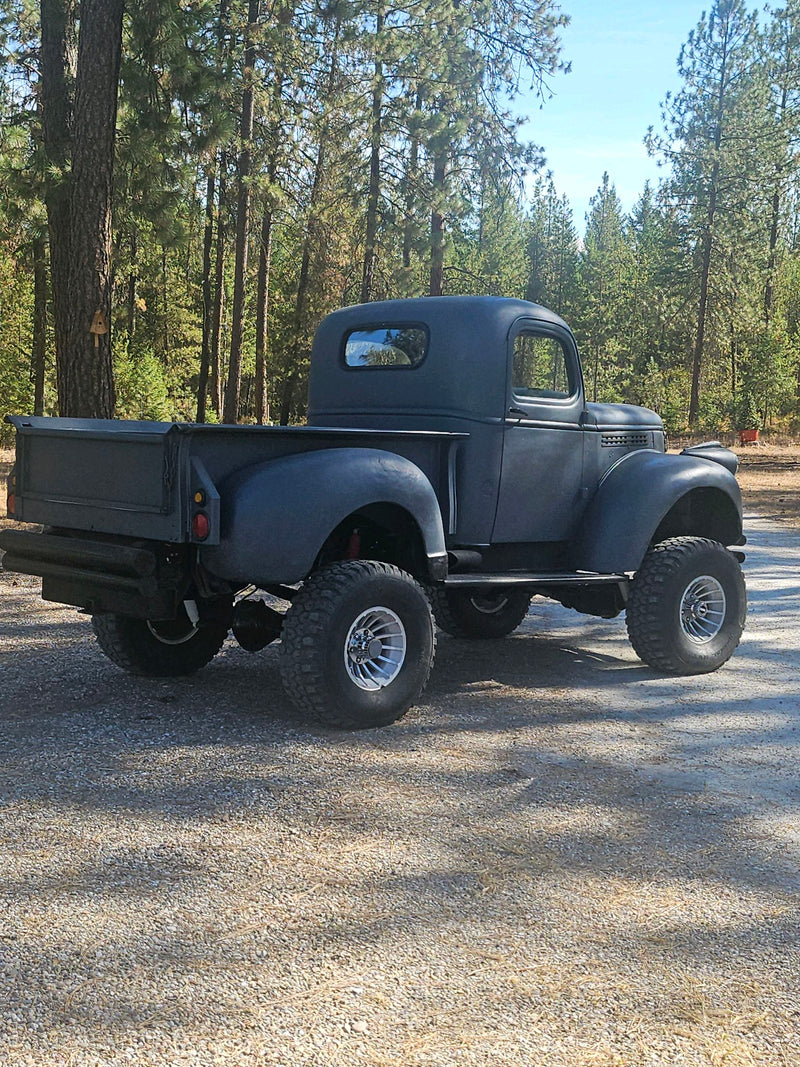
x=770 y=479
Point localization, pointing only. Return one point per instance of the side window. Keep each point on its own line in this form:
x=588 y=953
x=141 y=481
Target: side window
x=540 y=367
x=386 y=346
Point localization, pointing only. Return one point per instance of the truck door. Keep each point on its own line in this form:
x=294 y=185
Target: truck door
x=542 y=467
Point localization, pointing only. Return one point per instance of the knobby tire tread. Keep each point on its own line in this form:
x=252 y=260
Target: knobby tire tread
x=447 y=618
x=303 y=640
x=644 y=612
x=130 y=649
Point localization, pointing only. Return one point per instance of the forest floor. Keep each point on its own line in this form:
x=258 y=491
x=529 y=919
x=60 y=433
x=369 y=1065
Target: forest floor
x=770 y=479
x=560 y=858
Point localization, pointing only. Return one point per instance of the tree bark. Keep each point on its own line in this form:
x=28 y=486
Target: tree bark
x=287 y=398
x=262 y=317
x=437 y=223
x=285 y=16
x=133 y=282
x=373 y=195
x=56 y=69
x=86 y=377
x=165 y=343
x=410 y=181
x=707 y=241
x=233 y=386
x=310 y=239
x=219 y=290
x=208 y=311
x=769 y=285
x=39 y=346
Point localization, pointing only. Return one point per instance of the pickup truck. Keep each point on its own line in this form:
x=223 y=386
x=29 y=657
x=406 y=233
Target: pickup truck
x=451 y=468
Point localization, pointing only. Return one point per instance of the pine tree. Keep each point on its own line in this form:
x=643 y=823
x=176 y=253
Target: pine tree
x=782 y=57
x=552 y=249
x=711 y=142
x=230 y=411
x=603 y=273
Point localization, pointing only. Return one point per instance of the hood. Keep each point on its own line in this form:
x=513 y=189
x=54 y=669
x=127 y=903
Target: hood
x=621 y=417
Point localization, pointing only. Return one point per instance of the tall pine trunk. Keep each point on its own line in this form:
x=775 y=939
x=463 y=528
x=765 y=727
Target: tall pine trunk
x=55 y=96
x=39 y=345
x=208 y=310
x=212 y=299
x=133 y=282
x=310 y=238
x=410 y=182
x=285 y=16
x=373 y=195
x=437 y=223
x=262 y=317
x=86 y=377
x=219 y=290
x=775 y=213
x=707 y=239
x=230 y=412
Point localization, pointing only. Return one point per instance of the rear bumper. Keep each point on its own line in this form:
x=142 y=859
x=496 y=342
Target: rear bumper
x=140 y=580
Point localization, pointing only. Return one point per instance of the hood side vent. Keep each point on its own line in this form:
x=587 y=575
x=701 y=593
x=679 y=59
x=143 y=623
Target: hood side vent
x=625 y=440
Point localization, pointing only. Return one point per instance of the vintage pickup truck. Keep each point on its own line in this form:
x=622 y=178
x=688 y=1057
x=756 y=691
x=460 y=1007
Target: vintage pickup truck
x=451 y=467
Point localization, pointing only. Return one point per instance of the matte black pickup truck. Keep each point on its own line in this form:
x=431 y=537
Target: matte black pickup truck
x=451 y=467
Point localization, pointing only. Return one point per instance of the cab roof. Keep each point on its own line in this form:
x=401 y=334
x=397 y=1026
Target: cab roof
x=464 y=370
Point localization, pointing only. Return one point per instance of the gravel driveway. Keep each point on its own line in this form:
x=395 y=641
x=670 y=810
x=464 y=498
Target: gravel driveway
x=560 y=859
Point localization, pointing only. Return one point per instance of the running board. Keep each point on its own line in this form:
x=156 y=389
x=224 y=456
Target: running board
x=580 y=578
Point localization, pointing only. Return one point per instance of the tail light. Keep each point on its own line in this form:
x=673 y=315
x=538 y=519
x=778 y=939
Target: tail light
x=11 y=495
x=200 y=525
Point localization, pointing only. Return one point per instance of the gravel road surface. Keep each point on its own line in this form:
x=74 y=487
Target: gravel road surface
x=560 y=859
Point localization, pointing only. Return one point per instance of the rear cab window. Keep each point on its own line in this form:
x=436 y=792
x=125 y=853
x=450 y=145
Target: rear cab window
x=385 y=346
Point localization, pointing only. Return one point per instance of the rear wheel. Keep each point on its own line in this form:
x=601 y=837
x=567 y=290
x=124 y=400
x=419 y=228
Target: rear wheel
x=687 y=606
x=478 y=613
x=357 y=645
x=159 y=649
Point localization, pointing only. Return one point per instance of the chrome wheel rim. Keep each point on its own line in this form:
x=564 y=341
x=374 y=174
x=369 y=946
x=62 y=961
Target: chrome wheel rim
x=375 y=649
x=489 y=603
x=702 y=610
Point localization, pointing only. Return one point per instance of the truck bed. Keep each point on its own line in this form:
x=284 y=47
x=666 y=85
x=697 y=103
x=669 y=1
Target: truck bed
x=134 y=478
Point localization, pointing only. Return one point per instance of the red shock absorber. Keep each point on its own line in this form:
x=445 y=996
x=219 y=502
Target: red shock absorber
x=353 y=545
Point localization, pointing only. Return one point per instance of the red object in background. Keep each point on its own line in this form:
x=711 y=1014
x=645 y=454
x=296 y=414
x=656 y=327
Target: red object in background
x=748 y=437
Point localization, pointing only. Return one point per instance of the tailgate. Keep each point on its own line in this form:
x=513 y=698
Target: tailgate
x=91 y=474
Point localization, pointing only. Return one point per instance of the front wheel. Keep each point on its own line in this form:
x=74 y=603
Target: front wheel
x=479 y=613
x=159 y=649
x=687 y=606
x=357 y=645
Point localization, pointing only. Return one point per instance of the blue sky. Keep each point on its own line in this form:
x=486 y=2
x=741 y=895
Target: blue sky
x=624 y=59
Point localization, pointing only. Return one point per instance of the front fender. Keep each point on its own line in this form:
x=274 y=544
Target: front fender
x=637 y=494
x=275 y=516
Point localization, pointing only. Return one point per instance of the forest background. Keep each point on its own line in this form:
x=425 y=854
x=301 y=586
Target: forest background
x=188 y=186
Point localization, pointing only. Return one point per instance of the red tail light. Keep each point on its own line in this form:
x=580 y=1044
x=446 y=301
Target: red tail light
x=200 y=526
x=11 y=496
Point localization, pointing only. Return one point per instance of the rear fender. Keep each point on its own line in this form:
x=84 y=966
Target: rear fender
x=276 y=516
x=649 y=496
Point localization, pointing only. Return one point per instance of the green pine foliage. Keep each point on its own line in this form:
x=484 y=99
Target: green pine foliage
x=16 y=313
x=386 y=159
